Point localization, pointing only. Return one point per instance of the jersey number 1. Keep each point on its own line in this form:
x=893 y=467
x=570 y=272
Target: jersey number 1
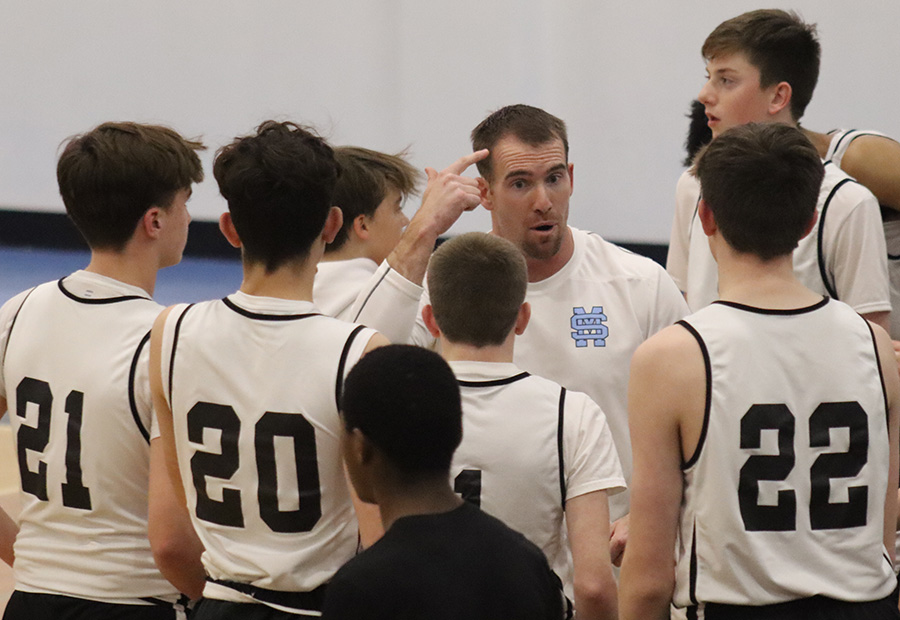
x=36 y=438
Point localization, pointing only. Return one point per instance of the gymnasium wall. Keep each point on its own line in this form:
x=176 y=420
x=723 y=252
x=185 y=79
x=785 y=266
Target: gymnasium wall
x=392 y=74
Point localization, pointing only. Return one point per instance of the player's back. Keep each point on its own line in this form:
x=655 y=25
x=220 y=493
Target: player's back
x=75 y=377
x=784 y=497
x=253 y=384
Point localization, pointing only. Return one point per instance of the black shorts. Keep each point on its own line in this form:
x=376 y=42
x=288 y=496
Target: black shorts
x=32 y=606
x=814 y=608
x=214 y=609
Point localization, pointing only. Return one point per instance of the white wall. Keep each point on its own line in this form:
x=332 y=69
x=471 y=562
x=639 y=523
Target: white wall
x=388 y=74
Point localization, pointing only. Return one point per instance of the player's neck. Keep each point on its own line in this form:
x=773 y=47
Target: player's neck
x=292 y=280
x=459 y=352
x=820 y=140
x=125 y=266
x=348 y=251
x=426 y=497
x=748 y=280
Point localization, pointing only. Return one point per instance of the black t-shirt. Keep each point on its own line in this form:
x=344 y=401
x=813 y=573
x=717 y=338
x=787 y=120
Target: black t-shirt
x=454 y=565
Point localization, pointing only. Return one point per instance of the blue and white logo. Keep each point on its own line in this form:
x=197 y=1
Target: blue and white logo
x=589 y=327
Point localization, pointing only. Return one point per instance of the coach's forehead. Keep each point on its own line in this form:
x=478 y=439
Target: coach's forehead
x=514 y=157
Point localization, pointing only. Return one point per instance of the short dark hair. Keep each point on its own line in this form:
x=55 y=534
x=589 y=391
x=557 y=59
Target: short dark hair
x=699 y=134
x=531 y=125
x=279 y=184
x=761 y=182
x=110 y=176
x=366 y=178
x=406 y=401
x=779 y=44
x=476 y=284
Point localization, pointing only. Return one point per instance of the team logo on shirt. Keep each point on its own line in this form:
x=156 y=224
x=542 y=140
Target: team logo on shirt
x=589 y=327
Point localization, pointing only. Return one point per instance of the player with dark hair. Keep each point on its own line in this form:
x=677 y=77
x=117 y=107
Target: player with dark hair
x=762 y=67
x=699 y=133
x=765 y=425
x=246 y=391
x=535 y=455
x=440 y=557
x=73 y=369
x=592 y=302
x=370 y=192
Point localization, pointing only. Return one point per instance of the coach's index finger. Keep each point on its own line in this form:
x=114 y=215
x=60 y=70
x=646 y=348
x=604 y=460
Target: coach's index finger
x=460 y=165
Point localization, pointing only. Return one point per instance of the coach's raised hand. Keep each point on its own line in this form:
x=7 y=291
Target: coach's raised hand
x=447 y=195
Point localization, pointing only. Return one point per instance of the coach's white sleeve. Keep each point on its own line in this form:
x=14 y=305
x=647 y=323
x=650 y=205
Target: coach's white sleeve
x=589 y=453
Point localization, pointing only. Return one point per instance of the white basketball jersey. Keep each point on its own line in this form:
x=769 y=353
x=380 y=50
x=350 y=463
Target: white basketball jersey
x=253 y=384
x=784 y=497
x=529 y=445
x=75 y=379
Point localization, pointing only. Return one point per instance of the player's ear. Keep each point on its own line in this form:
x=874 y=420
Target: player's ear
x=430 y=323
x=333 y=224
x=707 y=220
x=360 y=228
x=781 y=98
x=523 y=318
x=151 y=223
x=226 y=226
x=487 y=199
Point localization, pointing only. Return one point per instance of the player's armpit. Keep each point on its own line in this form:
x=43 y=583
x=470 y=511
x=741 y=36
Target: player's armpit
x=587 y=525
x=377 y=340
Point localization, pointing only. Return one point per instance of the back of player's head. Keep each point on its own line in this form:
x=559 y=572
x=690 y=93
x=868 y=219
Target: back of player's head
x=366 y=178
x=699 y=134
x=406 y=401
x=279 y=184
x=761 y=182
x=477 y=283
x=529 y=124
x=779 y=44
x=109 y=177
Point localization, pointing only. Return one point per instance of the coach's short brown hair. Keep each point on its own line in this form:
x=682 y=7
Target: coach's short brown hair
x=109 y=177
x=761 y=182
x=781 y=45
x=477 y=283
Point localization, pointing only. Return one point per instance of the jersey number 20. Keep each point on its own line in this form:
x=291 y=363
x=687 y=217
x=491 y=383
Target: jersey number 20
x=823 y=514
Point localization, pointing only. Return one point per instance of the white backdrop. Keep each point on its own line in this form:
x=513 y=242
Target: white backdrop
x=388 y=74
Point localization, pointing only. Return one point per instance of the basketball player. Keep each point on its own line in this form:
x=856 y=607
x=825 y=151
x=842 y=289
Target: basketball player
x=592 y=303
x=765 y=425
x=763 y=66
x=73 y=360
x=246 y=391
x=536 y=456
x=370 y=192
x=440 y=557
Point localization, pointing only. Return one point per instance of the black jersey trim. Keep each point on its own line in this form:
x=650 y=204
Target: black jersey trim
x=13 y=324
x=175 y=346
x=774 y=311
x=693 y=568
x=820 y=239
x=493 y=382
x=837 y=145
x=107 y=300
x=339 y=383
x=301 y=601
x=692 y=613
x=132 y=402
x=371 y=292
x=559 y=445
x=880 y=373
x=708 y=404
x=265 y=317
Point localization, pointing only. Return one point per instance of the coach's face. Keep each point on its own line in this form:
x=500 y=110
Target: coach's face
x=528 y=197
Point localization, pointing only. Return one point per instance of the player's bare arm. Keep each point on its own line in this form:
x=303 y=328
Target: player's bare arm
x=892 y=387
x=8 y=527
x=447 y=195
x=176 y=547
x=874 y=161
x=587 y=524
x=666 y=396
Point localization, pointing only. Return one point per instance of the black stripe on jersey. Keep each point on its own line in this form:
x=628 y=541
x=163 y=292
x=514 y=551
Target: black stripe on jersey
x=369 y=296
x=837 y=146
x=692 y=592
x=692 y=613
x=493 y=382
x=265 y=317
x=106 y=300
x=174 y=346
x=708 y=367
x=339 y=384
x=821 y=236
x=880 y=373
x=773 y=311
x=559 y=445
x=13 y=324
x=131 y=400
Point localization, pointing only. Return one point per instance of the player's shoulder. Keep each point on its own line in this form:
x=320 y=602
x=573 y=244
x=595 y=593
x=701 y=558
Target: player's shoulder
x=669 y=345
x=688 y=187
x=840 y=189
x=607 y=258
